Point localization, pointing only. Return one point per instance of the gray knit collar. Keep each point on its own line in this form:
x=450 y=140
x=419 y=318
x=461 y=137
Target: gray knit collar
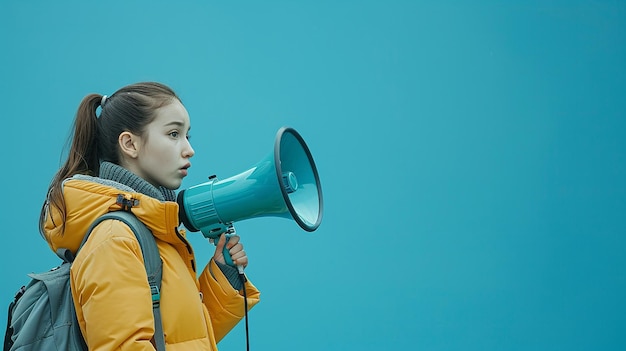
x=121 y=175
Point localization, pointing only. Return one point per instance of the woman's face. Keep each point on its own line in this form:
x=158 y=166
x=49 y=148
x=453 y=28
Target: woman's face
x=164 y=150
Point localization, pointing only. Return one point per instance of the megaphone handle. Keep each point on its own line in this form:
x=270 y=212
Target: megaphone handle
x=226 y=253
x=227 y=258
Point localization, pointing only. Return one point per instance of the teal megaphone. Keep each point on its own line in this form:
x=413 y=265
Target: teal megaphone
x=284 y=184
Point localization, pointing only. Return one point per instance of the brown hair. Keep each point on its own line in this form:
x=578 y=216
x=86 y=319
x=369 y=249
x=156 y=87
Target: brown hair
x=95 y=138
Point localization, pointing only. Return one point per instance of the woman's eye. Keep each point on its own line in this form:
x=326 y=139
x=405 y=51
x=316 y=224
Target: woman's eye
x=174 y=134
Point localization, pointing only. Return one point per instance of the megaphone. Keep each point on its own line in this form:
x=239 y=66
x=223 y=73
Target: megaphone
x=284 y=184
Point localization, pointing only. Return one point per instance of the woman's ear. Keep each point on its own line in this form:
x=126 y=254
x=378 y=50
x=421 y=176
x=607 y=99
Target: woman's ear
x=129 y=144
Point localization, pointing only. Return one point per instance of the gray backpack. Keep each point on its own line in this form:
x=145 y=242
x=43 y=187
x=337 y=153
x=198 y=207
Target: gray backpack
x=42 y=314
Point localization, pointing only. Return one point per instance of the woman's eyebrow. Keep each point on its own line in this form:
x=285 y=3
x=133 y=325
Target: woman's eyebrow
x=174 y=123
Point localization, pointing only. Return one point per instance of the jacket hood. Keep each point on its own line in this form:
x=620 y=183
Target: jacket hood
x=87 y=198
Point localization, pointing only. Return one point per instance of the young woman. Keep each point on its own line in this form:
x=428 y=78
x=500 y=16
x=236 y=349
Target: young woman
x=135 y=153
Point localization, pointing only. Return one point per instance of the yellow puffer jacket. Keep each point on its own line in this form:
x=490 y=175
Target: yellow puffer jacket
x=108 y=278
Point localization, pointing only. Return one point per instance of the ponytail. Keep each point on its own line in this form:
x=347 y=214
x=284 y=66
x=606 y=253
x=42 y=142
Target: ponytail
x=83 y=157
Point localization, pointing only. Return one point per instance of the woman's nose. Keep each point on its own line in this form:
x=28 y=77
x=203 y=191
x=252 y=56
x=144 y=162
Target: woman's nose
x=189 y=151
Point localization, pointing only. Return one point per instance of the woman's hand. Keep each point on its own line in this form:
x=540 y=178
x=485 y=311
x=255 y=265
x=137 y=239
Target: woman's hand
x=235 y=248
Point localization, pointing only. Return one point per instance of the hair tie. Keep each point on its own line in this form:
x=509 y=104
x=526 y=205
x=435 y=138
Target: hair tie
x=104 y=99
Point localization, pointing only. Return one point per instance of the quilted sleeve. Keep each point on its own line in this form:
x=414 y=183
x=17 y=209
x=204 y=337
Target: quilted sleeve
x=225 y=304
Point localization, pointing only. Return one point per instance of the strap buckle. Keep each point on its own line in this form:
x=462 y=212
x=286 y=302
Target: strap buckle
x=156 y=295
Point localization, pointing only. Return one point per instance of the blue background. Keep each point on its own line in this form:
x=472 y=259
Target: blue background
x=472 y=156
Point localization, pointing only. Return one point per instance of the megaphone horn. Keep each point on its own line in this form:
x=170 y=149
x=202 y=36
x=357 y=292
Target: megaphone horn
x=284 y=184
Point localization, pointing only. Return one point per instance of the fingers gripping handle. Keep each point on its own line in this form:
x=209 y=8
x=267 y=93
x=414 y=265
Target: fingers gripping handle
x=225 y=251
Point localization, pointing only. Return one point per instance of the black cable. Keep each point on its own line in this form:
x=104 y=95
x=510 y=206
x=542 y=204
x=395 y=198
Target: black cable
x=245 y=304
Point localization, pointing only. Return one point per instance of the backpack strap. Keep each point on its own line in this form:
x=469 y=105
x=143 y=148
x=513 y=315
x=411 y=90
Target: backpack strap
x=152 y=262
